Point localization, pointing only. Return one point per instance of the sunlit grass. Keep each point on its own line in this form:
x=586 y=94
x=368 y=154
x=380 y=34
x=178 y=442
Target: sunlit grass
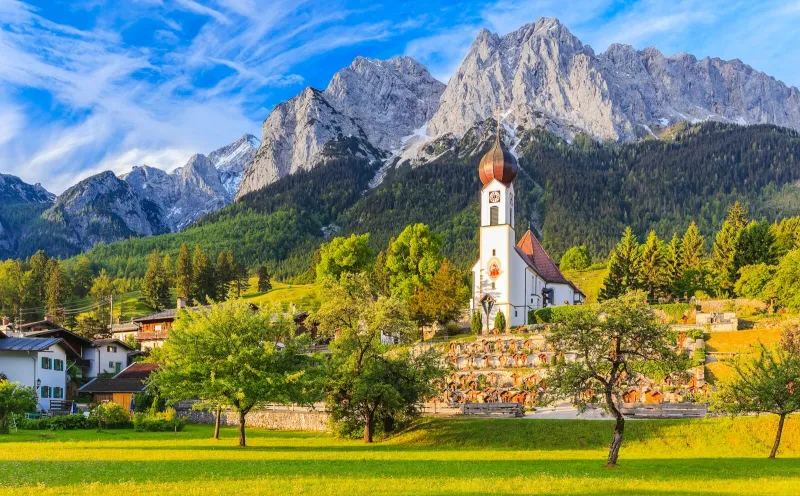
x=720 y=456
x=741 y=341
x=589 y=281
x=301 y=295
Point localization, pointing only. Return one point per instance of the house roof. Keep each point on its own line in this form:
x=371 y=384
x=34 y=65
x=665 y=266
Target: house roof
x=534 y=253
x=27 y=344
x=126 y=327
x=168 y=314
x=113 y=386
x=46 y=322
x=130 y=380
x=104 y=342
x=73 y=342
x=139 y=370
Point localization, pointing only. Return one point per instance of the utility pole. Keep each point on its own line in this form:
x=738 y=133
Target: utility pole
x=111 y=314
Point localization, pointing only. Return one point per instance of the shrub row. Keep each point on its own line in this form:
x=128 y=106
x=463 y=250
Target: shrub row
x=167 y=420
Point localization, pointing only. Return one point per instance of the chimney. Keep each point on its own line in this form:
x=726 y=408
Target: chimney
x=119 y=320
x=6 y=320
x=47 y=316
x=181 y=302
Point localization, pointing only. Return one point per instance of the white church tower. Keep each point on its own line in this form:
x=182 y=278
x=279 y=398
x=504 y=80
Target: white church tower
x=511 y=277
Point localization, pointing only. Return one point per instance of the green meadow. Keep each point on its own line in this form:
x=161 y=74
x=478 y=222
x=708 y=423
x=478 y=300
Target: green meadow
x=438 y=456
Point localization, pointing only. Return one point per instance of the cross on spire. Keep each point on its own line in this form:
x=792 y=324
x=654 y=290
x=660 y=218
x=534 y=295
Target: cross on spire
x=497 y=118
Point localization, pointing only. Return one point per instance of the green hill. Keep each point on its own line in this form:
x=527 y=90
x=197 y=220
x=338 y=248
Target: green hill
x=574 y=193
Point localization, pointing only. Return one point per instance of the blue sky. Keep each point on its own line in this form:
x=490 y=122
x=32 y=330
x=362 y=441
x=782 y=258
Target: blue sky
x=93 y=85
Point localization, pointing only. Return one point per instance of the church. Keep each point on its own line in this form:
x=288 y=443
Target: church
x=511 y=276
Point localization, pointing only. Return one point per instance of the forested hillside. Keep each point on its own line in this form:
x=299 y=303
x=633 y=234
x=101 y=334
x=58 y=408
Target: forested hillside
x=571 y=193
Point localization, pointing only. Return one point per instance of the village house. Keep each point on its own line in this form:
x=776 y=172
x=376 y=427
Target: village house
x=154 y=329
x=124 y=330
x=107 y=356
x=120 y=388
x=40 y=363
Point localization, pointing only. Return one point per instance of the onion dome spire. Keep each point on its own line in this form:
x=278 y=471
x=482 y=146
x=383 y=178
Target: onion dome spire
x=498 y=163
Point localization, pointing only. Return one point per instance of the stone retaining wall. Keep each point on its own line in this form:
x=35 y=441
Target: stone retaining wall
x=278 y=419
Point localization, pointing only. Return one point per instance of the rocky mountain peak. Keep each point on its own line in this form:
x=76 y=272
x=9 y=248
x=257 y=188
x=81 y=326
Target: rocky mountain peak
x=541 y=75
x=374 y=103
x=14 y=190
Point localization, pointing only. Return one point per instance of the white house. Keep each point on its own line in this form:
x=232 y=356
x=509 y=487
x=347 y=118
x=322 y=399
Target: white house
x=106 y=356
x=40 y=363
x=513 y=277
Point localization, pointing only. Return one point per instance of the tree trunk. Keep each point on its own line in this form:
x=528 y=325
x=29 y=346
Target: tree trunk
x=369 y=422
x=619 y=430
x=242 y=440
x=5 y=424
x=217 y=422
x=778 y=436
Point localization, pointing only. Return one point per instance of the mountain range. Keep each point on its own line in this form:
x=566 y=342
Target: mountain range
x=386 y=114
x=144 y=202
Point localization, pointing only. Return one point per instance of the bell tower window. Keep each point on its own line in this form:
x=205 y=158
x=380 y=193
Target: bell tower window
x=494 y=216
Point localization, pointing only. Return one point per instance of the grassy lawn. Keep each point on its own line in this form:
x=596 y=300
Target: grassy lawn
x=589 y=281
x=302 y=295
x=742 y=341
x=465 y=457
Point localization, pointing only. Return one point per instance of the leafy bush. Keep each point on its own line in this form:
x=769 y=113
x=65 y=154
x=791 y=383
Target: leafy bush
x=549 y=315
x=63 y=422
x=109 y=416
x=674 y=311
x=576 y=258
x=167 y=420
x=452 y=329
x=699 y=357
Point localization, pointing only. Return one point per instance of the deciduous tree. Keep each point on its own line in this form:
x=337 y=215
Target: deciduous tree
x=612 y=342
x=230 y=355
x=767 y=383
x=344 y=255
x=576 y=258
x=412 y=260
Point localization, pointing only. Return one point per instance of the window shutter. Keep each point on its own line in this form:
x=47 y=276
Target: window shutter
x=494 y=216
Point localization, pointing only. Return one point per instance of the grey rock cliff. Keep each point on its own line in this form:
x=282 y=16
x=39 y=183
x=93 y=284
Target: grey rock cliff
x=374 y=103
x=542 y=75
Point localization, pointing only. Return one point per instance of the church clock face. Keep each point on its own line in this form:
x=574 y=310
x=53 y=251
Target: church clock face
x=494 y=197
x=493 y=268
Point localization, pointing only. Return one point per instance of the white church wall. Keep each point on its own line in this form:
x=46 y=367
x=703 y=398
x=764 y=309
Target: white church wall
x=562 y=293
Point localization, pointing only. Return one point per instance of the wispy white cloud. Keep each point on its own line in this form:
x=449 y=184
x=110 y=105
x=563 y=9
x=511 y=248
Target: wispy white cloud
x=123 y=104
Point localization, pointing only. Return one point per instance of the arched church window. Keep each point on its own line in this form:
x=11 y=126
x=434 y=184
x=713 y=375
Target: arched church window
x=494 y=216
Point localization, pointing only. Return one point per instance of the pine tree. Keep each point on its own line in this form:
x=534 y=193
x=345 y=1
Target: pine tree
x=205 y=282
x=169 y=271
x=184 y=277
x=264 y=283
x=500 y=321
x=756 y=245
x=674 y=262
x=55 y=293
x=723 y=258
x=738 y=216
x=224 y=274
x=241 y=279
x=652 y=266
x=692 y=245
x=155 y=290
x=623 y=267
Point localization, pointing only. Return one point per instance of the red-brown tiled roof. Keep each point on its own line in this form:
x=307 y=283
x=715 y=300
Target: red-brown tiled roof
x=140 y=370
x=544 y=265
